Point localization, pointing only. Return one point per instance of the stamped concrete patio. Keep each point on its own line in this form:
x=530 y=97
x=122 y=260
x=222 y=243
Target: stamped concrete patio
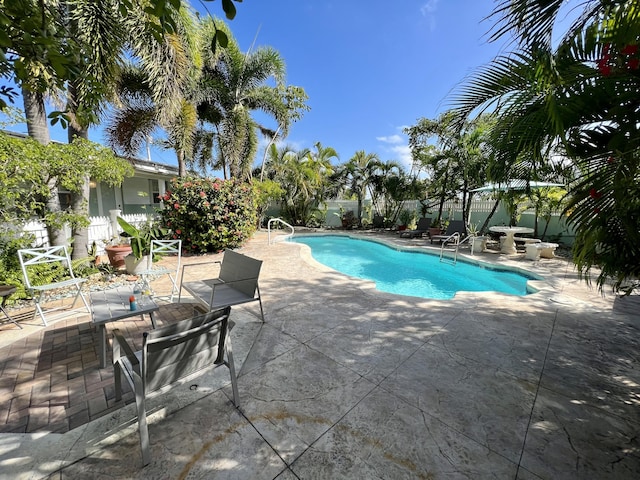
x=343 y=381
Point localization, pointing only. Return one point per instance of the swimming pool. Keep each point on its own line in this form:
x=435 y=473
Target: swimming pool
x=417 y=274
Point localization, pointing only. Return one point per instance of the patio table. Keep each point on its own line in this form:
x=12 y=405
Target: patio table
x=509 y=245
x=111 y=305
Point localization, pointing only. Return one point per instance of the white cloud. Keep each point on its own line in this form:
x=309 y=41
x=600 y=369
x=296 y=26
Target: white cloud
x=402 y=154
x=430 y=7
x=396 y=147
x=391 y=139
x=428 y=11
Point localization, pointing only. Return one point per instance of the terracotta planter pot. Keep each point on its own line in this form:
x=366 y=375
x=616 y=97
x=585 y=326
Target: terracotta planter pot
x=116 y=254
x=435 y=231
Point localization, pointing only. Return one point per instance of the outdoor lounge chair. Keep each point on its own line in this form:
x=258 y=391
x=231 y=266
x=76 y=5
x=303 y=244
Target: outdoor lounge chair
x=171 y=355
x=421 y=229
x=455 y=226
x=237 y=283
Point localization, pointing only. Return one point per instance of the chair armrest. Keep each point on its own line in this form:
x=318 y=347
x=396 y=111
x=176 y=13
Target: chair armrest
x=184 y=267
x=121 y=349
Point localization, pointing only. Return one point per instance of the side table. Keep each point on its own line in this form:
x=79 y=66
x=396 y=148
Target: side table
x=5 y=292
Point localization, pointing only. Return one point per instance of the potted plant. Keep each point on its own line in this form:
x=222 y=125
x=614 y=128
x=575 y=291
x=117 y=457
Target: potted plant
x=406 y=217
x=140 y=242
x=117 y=249
x=436 y=228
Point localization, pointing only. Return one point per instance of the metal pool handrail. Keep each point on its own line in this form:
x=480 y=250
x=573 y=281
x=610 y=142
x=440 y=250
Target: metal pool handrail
x=278 y=238
x=455 y=238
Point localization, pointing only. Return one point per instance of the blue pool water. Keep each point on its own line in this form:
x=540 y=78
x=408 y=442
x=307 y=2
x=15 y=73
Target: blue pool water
x=418 y=274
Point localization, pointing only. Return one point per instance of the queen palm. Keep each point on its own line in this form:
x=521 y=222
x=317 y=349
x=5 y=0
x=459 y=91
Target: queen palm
x=232 y=89
x=579 y=99
x=157 y=90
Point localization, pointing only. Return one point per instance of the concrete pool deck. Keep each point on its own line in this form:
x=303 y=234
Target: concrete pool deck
x=342 y=381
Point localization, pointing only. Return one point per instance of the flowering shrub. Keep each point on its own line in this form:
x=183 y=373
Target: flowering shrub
x=209 y=215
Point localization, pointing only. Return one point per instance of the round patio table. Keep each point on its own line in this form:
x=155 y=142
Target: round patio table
x=509 y=245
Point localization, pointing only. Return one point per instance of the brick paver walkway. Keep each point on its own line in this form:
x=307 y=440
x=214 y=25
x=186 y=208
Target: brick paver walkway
x=50 y=380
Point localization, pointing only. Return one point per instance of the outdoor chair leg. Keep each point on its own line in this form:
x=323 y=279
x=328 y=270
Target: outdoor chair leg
x=38 y=309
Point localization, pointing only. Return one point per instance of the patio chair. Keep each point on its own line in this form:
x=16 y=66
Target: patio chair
x=421 y=229
x=38 y=284
x=172 y=355
x=237 y=283
x=172 y=248
x=455 y=226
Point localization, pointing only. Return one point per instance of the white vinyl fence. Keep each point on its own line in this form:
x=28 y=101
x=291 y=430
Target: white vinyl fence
x=101 y=230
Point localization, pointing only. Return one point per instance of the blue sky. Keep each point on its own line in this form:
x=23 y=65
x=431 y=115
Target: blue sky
x=369 y=67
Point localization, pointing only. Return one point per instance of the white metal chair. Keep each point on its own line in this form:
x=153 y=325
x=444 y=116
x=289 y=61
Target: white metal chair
x=165 y=247
x=38 y=284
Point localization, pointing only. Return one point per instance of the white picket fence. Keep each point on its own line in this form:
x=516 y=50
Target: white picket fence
x=100 y=230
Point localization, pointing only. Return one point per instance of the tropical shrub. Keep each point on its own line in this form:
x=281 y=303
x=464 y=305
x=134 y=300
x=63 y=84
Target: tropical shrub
x=10 y=272
x=209 y=215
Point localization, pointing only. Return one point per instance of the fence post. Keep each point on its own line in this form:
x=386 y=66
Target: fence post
x=114 y=214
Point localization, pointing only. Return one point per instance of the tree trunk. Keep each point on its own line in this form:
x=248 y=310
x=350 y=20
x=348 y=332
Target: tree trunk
x=79 y=199
x=38 y=129
x=493 y=210
x=182 y=166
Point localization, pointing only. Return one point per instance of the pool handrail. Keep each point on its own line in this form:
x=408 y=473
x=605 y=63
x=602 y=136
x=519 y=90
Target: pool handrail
x=278 y=238
x=454 y=238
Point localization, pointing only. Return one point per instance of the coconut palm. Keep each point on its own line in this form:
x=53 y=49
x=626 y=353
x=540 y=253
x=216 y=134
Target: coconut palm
x=579 y=99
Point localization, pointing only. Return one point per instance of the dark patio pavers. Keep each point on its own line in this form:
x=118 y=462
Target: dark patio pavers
x=50 y=380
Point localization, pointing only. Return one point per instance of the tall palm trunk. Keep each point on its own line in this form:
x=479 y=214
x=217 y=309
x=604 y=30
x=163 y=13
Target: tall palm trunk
x=38 y=129
x=182 y=167
x=79 y=199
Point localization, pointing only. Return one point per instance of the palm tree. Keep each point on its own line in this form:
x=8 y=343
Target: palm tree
x=579 y=99
x=357 y=174
x=232 y=89
x=385 y=190
x=304 y=178
x=157 y=90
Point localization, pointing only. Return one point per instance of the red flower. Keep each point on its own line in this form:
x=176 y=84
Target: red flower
x=596 y=210
x=611 y=160
x=604 y=67
x=633 y=63
x=206 y=204
x=202 y=194
x=216 y=186
x=593 y=193
x=178 y=231
x=176 y=206
x=629 y=50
